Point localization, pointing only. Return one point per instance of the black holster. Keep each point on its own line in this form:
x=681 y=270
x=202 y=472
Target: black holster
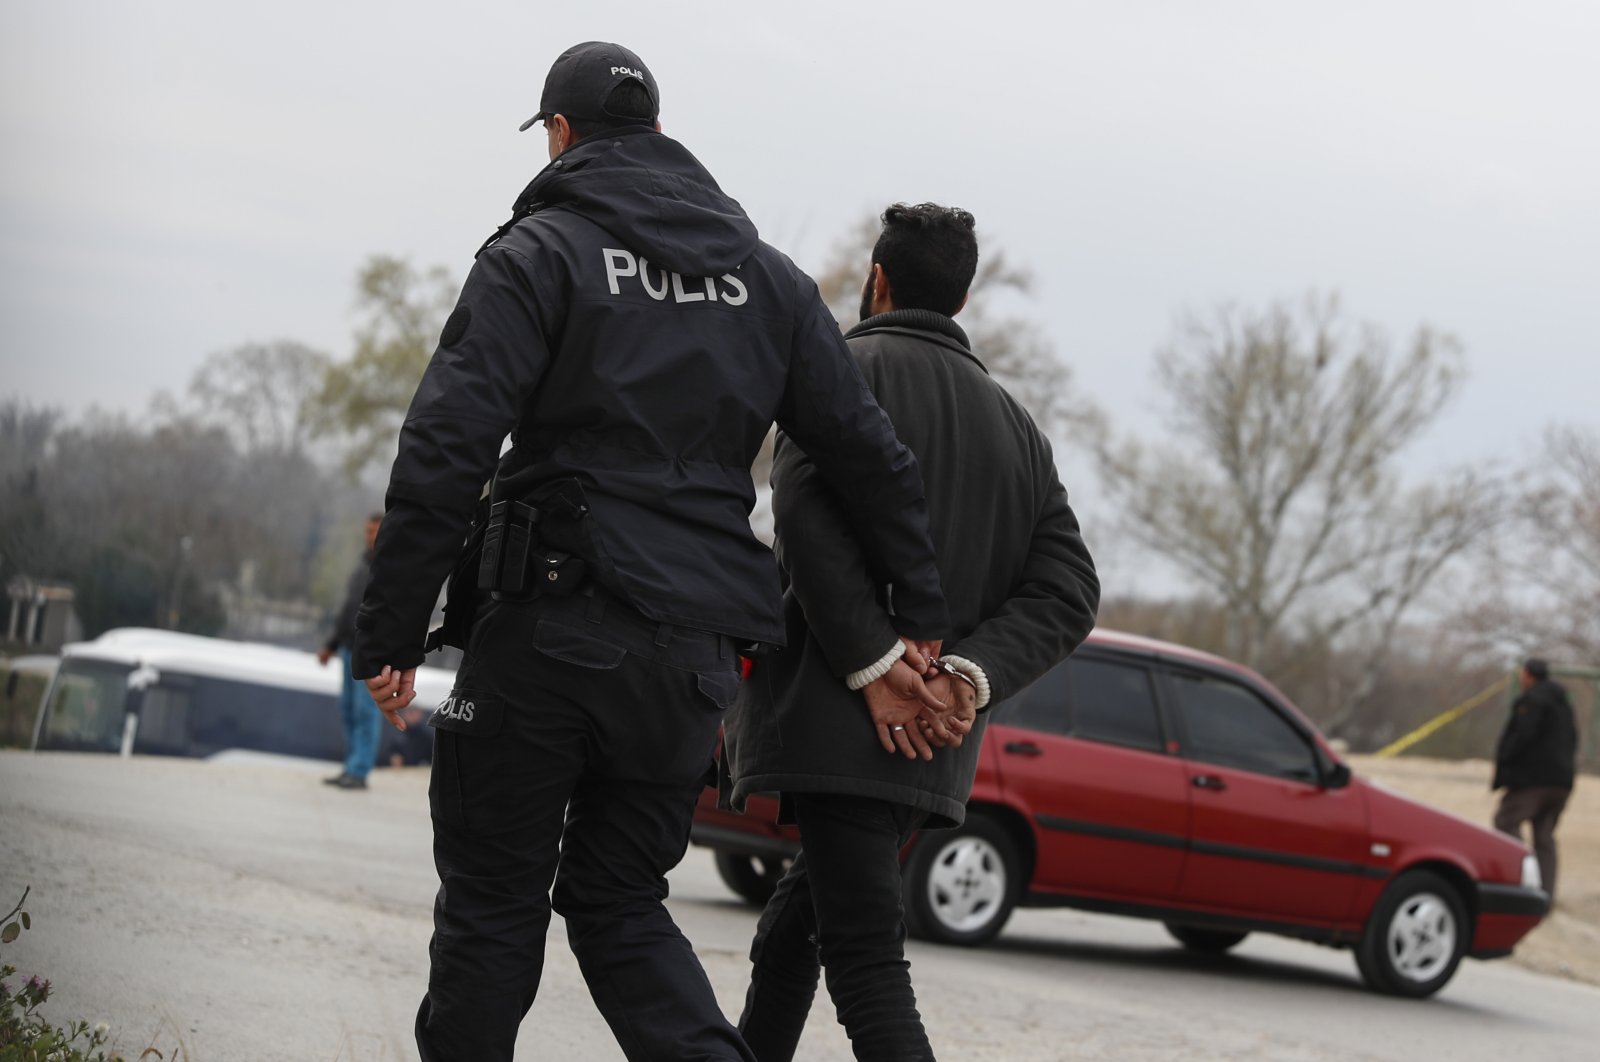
x=507 y=539
x=506 y=556
x=518 y=562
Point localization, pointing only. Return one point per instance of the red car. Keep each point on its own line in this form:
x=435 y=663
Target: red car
x=1143 y=778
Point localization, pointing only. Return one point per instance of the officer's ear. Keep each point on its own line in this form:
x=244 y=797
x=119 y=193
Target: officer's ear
x=658 y=125
x=962 y=305
x=558 y=134
x=882 y=294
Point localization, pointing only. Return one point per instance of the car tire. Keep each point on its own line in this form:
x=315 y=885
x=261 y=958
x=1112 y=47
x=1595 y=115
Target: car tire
x=1209 y=941
x=961 y=885
x=751 y=877
x=1415 y=937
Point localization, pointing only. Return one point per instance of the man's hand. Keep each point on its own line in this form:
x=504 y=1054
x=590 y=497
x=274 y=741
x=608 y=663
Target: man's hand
x=921 y=653
x=894 y=702
x=392 y=690
x=947 y=729
x=324 y=655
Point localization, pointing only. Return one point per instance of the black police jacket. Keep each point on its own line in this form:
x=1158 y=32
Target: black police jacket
x=632 y=331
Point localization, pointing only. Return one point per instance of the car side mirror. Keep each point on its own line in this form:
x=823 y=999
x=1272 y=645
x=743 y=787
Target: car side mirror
x=1337 y=776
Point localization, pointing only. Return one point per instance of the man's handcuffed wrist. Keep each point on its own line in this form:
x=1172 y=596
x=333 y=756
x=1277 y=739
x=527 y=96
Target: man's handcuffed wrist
x=875 y=671
x=963 y=668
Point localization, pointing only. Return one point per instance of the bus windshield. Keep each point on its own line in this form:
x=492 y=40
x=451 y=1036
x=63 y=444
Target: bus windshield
x=88 y=703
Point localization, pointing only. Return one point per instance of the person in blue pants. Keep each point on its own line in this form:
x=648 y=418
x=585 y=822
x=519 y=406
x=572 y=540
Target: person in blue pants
x=357 y=712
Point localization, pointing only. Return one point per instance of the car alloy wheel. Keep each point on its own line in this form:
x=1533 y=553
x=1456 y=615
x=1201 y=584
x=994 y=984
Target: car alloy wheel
x=1415 y=937
x=753 y=878
x=961 y=885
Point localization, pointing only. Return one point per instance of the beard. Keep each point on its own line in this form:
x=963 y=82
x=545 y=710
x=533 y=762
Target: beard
x=866 y=297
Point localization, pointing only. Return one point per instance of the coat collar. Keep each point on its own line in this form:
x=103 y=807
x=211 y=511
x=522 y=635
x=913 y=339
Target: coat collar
x=925 y=324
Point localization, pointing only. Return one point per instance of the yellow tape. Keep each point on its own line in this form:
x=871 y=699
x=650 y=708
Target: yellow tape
x=1442 y=720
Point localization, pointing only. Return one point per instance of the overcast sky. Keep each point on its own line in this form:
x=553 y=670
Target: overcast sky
x=182 y=177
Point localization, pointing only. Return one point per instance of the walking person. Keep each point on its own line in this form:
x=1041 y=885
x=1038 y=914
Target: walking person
x=358 y=715
x=636 y=339
x=828 y=723
x=1535 y=762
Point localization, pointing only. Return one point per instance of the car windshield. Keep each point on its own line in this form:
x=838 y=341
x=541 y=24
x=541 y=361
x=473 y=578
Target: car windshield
x=87 y=707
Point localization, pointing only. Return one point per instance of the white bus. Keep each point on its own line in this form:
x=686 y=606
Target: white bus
x=137 y=690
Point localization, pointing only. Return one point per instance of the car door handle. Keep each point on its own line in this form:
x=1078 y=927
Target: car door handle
x=1023 y=748
x=1208 y=781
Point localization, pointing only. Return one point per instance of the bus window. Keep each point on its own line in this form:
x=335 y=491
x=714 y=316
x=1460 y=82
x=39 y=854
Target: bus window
x=164 y=721
x=308 y=724
x=88 y=704
x=291 y=722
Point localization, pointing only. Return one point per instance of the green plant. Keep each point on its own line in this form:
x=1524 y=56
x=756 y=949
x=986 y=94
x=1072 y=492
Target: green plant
x=25 y=1036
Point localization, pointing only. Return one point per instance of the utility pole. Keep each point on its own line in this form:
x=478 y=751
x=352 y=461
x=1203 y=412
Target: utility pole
x=175 y=611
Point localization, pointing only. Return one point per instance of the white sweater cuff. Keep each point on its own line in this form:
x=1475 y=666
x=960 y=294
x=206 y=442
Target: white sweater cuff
x=872 y=672
x=972 y=671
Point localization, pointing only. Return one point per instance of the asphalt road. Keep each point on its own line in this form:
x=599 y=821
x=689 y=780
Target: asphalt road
x=246 y=912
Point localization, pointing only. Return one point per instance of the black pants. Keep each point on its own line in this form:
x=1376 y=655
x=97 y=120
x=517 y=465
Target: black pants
x=838 y=907
x=1540 y=806
x=571 y=753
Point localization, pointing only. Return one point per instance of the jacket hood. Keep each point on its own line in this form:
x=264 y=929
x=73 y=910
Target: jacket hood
x=649 y=192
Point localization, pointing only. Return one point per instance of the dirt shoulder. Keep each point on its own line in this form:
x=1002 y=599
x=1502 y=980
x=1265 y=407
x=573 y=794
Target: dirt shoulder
x=1567 y=944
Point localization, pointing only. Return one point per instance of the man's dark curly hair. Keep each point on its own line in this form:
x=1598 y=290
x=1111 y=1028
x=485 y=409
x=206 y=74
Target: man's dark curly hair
x=930 y=254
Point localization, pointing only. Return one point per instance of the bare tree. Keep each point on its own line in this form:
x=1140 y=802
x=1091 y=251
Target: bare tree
x=260 y=394
x=1563 y=518
x=365 y=398
x=1279 y=493
x=1539 y=591
x=28 y=541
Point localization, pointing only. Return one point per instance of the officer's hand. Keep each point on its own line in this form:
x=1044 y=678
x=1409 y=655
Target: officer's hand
x=324 y=655
x=895 y=701
x=392 y=690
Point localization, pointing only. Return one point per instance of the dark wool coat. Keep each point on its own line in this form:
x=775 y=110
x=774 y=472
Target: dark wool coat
x=1539 y=744
x=1018 y=579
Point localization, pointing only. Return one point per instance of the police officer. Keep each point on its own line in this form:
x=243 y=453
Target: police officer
x=636 y=339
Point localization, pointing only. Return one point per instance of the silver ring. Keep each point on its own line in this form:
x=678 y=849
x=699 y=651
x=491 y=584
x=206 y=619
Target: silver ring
x=898 y=728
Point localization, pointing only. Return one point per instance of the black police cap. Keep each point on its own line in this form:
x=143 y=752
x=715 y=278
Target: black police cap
x=582 y=78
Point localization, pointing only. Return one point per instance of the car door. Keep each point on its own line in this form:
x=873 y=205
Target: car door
x=1266 y=837
x=1082 y=753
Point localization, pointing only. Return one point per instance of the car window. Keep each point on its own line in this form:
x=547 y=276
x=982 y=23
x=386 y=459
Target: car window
x=1041 y=706
x=1232 y=726
x=1112 y=702
x=1096 y=700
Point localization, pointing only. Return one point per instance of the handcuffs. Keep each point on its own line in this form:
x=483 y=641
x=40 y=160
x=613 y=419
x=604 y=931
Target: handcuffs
x=942 y=668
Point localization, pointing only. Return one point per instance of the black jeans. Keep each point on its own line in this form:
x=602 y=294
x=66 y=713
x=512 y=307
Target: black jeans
x=571 y=753
x=838 y=907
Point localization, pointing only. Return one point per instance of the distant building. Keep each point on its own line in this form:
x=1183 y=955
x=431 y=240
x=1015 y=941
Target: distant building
x=41 y=617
